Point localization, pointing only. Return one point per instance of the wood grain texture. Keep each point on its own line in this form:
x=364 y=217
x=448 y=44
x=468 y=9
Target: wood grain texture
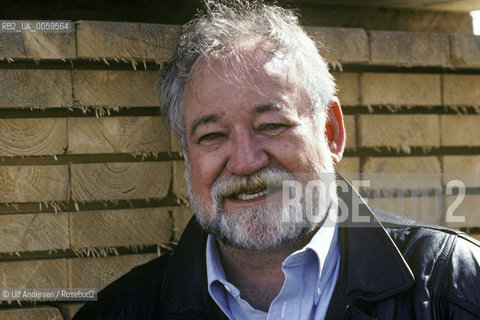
x=424 y=209
x=348 y=88
x=31 y=313
x=129 y=41
x=403 y=173
x=115 y=181
x=467 y=209
x=461 y=90
x=181 y=217
x=22 y=88
x=463 y=168
x=350 y=131
x=348 y=165
x=34 y=183
x=341 y=45
x=117 y=134
x=179 y=185
x=349 y=168
x=99 y=272
x=460 y=130
x=398 y=131
x=95 y=88
x=11 y=46
x=34 y=232
x=465 y=50
x=42 y=45
x=160 y=40
x=51 y=273
x=37 y=45
x=116 y=228
x=394 y=89
x=394 y=48
x=43 y=136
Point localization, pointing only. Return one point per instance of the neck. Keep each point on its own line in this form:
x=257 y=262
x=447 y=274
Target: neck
x=257 y=274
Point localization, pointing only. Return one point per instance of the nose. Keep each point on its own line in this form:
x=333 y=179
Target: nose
x=246 y=156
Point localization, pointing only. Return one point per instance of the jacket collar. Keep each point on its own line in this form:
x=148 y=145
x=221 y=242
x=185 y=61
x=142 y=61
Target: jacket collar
x=371 y=266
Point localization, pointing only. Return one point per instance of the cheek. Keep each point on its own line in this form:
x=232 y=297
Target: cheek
x=204 y=171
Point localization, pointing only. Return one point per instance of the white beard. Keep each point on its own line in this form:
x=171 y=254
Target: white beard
x=263 y=227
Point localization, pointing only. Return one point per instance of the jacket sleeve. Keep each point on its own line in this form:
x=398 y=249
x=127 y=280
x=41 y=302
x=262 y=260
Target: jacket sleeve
x=136 y=295
x=461 y=294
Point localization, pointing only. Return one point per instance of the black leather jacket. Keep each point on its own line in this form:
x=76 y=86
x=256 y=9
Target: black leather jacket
x=390 y=268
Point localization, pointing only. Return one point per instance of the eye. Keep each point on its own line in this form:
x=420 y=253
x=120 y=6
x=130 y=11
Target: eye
x=211 y=137
x=272 y=127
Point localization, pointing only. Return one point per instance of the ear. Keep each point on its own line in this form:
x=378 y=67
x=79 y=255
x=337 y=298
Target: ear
x=335 y=130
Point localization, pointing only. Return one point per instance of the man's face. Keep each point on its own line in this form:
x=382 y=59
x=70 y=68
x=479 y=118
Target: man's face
x=246 y=132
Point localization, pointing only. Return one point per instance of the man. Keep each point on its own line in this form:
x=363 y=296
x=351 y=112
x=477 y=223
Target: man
x=253 y=104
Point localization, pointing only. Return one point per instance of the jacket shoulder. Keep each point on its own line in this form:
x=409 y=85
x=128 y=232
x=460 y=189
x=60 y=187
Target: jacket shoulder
x=450 y=259
x=135 y=295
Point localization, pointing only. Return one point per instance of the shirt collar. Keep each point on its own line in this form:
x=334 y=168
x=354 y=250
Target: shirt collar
x=324 y=244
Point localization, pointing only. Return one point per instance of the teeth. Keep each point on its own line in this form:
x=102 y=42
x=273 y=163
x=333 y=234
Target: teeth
x=248 y=196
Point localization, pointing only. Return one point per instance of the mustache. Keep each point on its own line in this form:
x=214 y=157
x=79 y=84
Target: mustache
x=260 y=180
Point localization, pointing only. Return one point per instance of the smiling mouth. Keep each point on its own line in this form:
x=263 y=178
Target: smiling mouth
x=254 y=194
x=251 y=195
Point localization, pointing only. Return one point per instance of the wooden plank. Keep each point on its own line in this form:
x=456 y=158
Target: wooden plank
x=95 y=88
x=118 y=134
x=463 y=168
x=69 y=309
x=54 y=45
x=401 y=89
x=179 y=185
x=37 y=45
x=461 y=90
x=394 y=48
x=403 y=173
x=462 y=208
x=349 y=168
x=350 y=131
x=34 y=183
x=99 y=272
x=181 y=217
x=460 y=130
x=399 y=131
x=22 y=88
x=115 y=228
x=175 y=143
x=341 y=45
x=19 y=137
x=160 y=40
x=348 y=165
x=465 y=50
x=348 y=88
x=11 y=46
x=34 y=232
x=51 y=273
x=129 y=41
x=31 y=313
x=115 y=181
x=423 y=208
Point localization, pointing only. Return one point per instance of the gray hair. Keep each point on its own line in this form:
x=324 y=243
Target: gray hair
x=215 y=34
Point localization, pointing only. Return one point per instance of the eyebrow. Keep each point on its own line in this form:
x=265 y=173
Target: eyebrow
x=268 y=107
x=203 y=120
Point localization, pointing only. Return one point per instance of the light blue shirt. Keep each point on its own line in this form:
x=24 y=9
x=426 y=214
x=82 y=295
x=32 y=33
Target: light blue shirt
x=310 y=277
